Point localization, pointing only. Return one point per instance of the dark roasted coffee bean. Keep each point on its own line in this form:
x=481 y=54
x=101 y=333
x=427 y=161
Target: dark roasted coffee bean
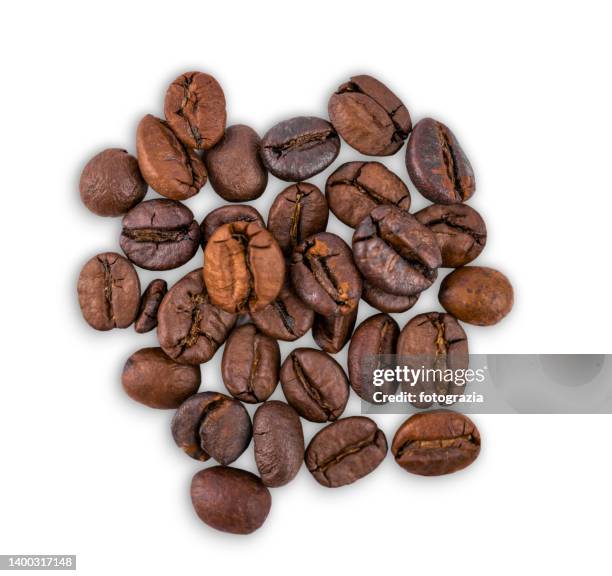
x=149 y=305
x=331 y=333
x=370 y=117
x=436 y=342
x=395 y=252
x=356 y=188
x=234 y=165
x=109 y=292
x=167 y=166
x=297 y=212
x=195 y=110
x=371 y=346
x=437 y=165
x=460 y=232
x=245 y=268
x=345 y=451
x=314 y=384
x=212 y=425
x=226 y=214
x=250 y=365
x=299 y=148
x=386 y=302
x=160 y=234
x=477 y=295
x=279 y=443
x=152 y=378
x=435 y=443
x=111 y=183
x=286 y=318
x=190 y=328
x=324 y=275
x=230 y=499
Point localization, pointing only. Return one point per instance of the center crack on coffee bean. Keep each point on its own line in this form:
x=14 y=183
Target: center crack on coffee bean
x=310 y=389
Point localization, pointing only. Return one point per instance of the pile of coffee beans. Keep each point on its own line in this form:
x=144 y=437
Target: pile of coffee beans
x=265 y=281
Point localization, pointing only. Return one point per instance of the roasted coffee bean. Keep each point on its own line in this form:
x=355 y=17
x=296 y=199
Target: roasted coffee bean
x=345 y=451
x=324 y=275
x=111 y=183
x=314 y=384
x=437 y=165
x=299 y=148
x=477 y=295
x=286 y=318
x=371 y=348
x=250 y=365
x=149 y=305
x=212 y=425
x=195 y=110
x=435 y=443
x=395 y=252
x=386 y=302
x=160 y=234
x=109 y=292
x=167 y=166
x=297 y=212
x=436 y=342
x=245 y=268
x=279 y=443
x=152 y=378
x=226 y=214
x=356 y=188
x=190 y=328
x=370 y=117
x=460 y=232
x=234 y=165
x=331 y=333
x=230 y=499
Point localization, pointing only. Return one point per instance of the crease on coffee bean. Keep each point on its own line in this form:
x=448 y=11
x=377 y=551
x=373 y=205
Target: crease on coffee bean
x=286 y=318
x=156 y=236
x=310 y=389
x=450 y=161
x=302 y=141
x=195 y=330
x=185 y=84
x=346 y=451
x=436 y=443
x=450 y=221
x=109 y=281
x=339 y=295
x=250 y=389
x=295 y=215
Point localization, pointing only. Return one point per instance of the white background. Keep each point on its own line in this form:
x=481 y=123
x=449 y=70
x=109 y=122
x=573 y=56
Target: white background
x=84 y=470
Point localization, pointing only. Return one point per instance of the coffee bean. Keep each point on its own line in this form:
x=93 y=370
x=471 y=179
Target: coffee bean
x=109 y=292
x=460 y=232
x=297 y=212
x=345 y=451
x=250 y=365
x=167 y=166
x=230 y=499
x=286 y=318
x=386 y=302
x=234 y=165
x=371 y=346
x=433 y=341
x=477 y=295
x=299 y=148
x=314 y=384
x=111 y=183
x=160 y=234
x=435 y=443
x=149 y=305
x=279 y=443
x=370 y=117
x=153 y=379
x=324 y=275
x=190 y=328
x=356 y=188
x=395 y=252
x=437 y=165
x=212 y=425
x=195 y=110
x=331 y=333
x=226 y=214
x=244 y=268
